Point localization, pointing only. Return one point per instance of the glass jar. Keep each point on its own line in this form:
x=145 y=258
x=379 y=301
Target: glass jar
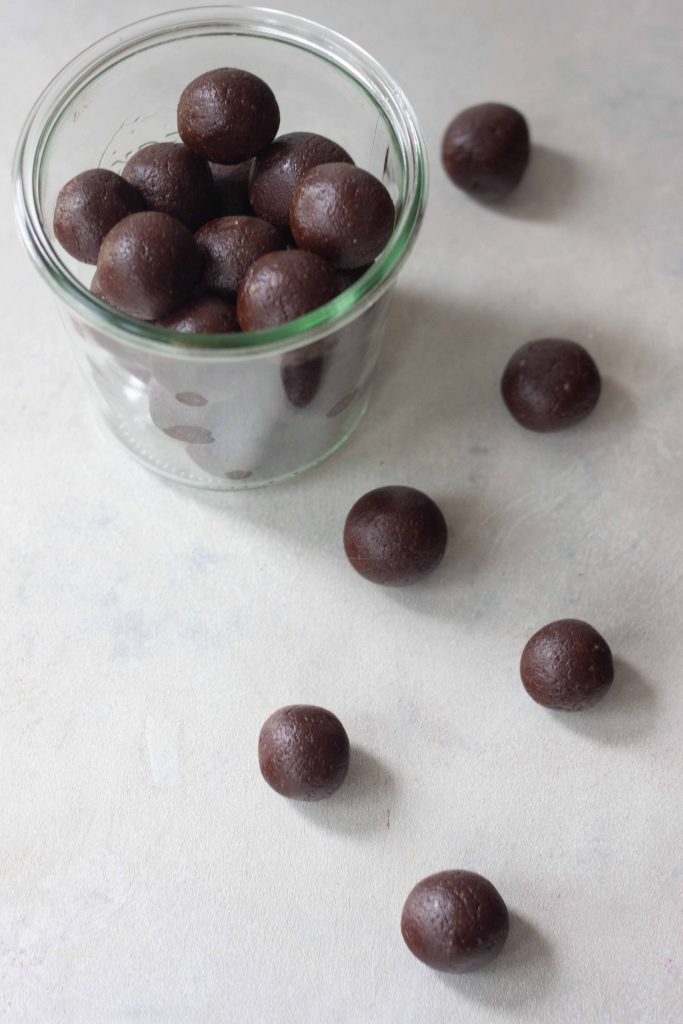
x=223 y=411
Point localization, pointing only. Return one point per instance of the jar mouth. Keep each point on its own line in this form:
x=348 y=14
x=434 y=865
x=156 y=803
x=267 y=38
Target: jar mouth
x=329 y=46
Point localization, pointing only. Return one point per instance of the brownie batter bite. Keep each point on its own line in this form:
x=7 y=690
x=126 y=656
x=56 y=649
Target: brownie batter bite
x=567 y=666
x=283 y=286
x=174 y=180
x=455 y=921
x=486 y=150
x=279 y=169
x=231 y=188
x=303 y=752
x=228 y=115
x=550 y=384
x=395 y=536
x=148 y=265
x=229 y=246
x=88 y=207
x=343 y=214
x=208 y=314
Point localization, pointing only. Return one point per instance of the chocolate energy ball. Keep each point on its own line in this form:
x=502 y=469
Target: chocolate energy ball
x=303 y=752
x=228 y=115
x=280 y=168
x=208 y=314
x=550 y=384
x=229 y=246
x=174 y=180
x=88 y=207
x=343 y=214
x=231 y=188
x=395 y=536
x=455 y=921
x=567 y=665
x=148 y=265
x=283 y=286
x=486 y=150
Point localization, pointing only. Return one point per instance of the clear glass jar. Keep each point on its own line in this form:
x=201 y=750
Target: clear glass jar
x=232 y=410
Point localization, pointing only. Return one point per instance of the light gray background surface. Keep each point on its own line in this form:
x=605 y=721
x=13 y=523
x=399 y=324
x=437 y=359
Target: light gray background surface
x=148 y=874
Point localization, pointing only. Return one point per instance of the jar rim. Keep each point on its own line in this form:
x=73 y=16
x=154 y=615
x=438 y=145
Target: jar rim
x=330 y=46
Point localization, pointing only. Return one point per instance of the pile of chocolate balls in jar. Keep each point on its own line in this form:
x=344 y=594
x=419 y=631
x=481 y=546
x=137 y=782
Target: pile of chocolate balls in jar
x=234 y=229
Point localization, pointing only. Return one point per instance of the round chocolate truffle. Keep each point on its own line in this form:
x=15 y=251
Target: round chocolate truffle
x=228 y=115
x=283 y=286
x=279 y=169
x=395 y=536
x=88 y=207
x=148 y=265
x=567 y=665
x=486 y=150
x=455 y=921
x=208 y=314
x=303 y=752
x=231 y=188
x=343 y=214
x=174 y=180
x=229 y=246
x=550 y=384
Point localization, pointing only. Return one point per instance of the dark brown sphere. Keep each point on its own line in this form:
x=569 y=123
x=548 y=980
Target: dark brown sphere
x=550 y=384
x=228 y=115
x=303 y=752
x=486 y=150
x=280 y=168
x=231 y=188
x=283 y=286
x=567 y=665
x=88 y=207
x=343 y=214
x=455 y=921
x=395 y=536
x=174 y=180
x=208 y=314
x=229 y=246
x=148 y=265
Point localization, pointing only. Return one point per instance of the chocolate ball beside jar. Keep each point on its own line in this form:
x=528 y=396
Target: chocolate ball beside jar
x=567 y=665
x=278 y=170
x=88 y=207
x=303 y=752
x=550 y=384
x=486 y=149
x=395 y=536
x=174 y=180
x=455 y=921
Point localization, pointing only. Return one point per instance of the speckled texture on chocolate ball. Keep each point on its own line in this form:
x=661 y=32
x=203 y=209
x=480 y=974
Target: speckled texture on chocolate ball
x=231 y=188
x=455 y=921
x=550 y=384
x=229 y=246
x=486 y=149
x=174 y=180
x=343 y=214
x=208 y=314
x=228 y=115
x=395 y=536
x=88 y=207
x=567 y=665
x=283 y=286
x=280 y=168
x=148 y=265
x=303 y=752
